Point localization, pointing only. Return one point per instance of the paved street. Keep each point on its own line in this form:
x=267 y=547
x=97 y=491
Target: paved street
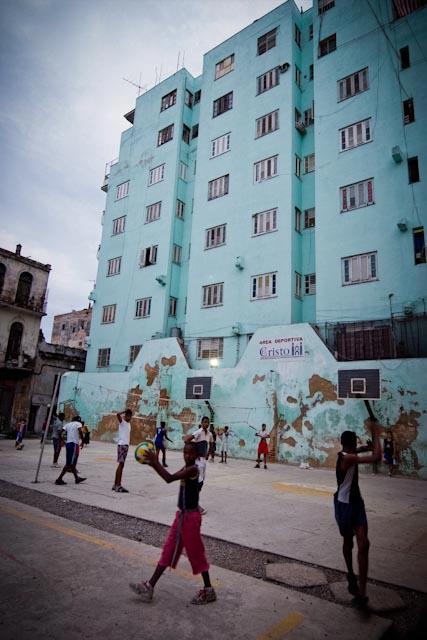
x=284 y=510
x=66 y=580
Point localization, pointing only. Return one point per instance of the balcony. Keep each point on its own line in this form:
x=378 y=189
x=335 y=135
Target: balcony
x=108 y=166
x=402 y=336
x=35 y=305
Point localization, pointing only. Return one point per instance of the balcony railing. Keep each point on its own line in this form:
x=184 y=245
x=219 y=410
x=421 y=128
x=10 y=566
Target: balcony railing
x=396 y=337
x=38 y=305
x=107 y=172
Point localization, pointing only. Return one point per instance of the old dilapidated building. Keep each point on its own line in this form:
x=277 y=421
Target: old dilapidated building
x=72 y=329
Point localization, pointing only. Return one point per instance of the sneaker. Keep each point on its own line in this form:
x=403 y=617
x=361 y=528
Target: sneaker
x=221 y=461
x=265 y=466
x=142 y=589
x=60 y=482
x=80 y=480
x=361 y=602
x=353 y=587
x=55 y=465
x=256 y=466
x=204 y=596
x=202 y=511
x=121 y=490
x=114 y=487
x=165 y=465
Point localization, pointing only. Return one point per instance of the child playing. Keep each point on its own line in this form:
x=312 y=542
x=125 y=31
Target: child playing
x=224 y=444
x=124 y=419
x=263 y=446
x=159 y=442
x=202 y=438
x=389 y=452
x=73 y=432
x=185 y=530
x=212 y=444
x=20 y=430
x=349 y=508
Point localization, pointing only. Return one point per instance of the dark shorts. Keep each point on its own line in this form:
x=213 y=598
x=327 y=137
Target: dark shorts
x=72 y=453
x=159 y=446
x=122 y=452
x=349 y=516
x=387 y=458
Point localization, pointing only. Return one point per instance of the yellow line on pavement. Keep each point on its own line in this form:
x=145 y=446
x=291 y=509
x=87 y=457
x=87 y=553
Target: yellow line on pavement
x=85 y=537
x=283 y=627
x=302 y=489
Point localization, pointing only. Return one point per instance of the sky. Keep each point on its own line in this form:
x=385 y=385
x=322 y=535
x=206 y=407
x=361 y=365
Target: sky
x=62 y=98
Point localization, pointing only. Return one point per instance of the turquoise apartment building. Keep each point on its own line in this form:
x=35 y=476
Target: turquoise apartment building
x=278 y=197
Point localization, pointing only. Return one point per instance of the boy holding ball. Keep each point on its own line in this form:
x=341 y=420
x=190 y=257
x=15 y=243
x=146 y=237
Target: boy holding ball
x=185 y=530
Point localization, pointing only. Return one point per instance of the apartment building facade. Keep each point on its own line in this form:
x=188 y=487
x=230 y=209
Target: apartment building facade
x=283 y=187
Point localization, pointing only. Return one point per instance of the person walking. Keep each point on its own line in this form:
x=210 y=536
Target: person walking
x=57 y=426
x=202 y=437
x=159 y=442
x=389 y=452
x=74 y=434
x=224 y=444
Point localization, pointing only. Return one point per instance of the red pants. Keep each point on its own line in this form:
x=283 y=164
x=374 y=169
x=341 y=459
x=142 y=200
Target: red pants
x=185 y=534
x=262 y=448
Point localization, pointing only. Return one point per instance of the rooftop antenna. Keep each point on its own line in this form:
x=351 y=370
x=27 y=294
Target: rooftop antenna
x=138 y=86
x=177 y=62
x=160 y=73
x=183 y=58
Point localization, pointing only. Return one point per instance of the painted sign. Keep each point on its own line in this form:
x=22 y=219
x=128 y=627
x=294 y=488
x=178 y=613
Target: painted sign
x=281 y=348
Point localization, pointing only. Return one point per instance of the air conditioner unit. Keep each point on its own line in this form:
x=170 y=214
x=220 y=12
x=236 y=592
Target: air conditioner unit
x=284 y=67
x=239 y=263
x=300 y=126
x=157 y=336
x=408 y=308
x=161 y=280
x=236 y=329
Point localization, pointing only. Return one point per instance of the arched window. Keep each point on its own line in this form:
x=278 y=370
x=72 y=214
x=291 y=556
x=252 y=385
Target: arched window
x=2 y=275
x=24 y=288
x=14 y=342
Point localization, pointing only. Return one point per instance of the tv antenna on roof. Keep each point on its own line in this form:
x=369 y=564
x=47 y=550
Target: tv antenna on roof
x=138 y=86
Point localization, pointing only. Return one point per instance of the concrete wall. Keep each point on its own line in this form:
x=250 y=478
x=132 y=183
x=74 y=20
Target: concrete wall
x=296 y=397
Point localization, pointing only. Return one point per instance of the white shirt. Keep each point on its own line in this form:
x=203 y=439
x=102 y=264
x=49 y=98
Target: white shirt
x=263 y=434
x=72 y=431
x=202 y=436
x=124 y=433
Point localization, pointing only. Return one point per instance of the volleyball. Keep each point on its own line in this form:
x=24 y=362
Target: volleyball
x=141 y=449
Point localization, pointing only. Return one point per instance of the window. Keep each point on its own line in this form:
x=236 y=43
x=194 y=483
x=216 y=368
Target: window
x=405 y=61
x=297 y=118
x=168 y=100
x=176 y=253
x=359 y=194
x=309 y=218
x=180 y=207
x=186 y=134
x=298 y=76
x=114 y=266
x=213 y=295
x=223 y=104
x=2 y=276
x=419 y=245
x=297 y=166
x=265 y=169
x=172 y=306
x=188 y=98
x=195 y=131
x=268 y=80
x=297 y=36
x=218 y=187
x=108 y=314
x=156 y=175
x=215 y=236
x=153 y=212
x=325 y=5
x=165 y=135
x=311 y=72
x=220 y=145
x=13 y=348
x=355 y=135
x=309 y=162
x=264 y=222
x=119 y=225
x=298 y=285
x=224 y=67
x=267 y=124
x=266 y=42
x=23 y=289
x=361 y=268
x=197 y=96
x=264 y=286
x=297 y=219
x=327 y=45
x=408 y=111
x=133 y=352
x=353 y=84
x=309 y=116
x=148 y=256
x=413 y=171
x=310 y=32
x=402 y=9
x=103 y=358
x=310 y=284
x=208 y=348
x=183 y=171
x=143 y=308
x=122 y=190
